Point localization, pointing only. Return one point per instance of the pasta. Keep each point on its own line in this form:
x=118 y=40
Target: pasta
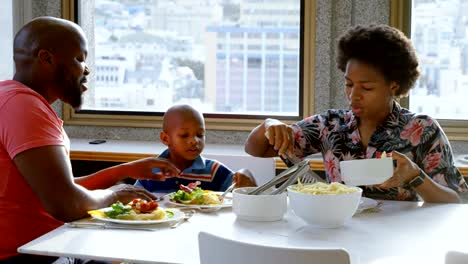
x=138 y=209
x=211 y=198
x=324 y=188
x=157 y=214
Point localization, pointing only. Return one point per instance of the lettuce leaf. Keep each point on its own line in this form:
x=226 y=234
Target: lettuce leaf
x=196 y=196
x=118 y=208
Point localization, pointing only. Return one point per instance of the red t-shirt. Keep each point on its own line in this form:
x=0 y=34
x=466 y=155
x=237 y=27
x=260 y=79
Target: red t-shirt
x=26 y=121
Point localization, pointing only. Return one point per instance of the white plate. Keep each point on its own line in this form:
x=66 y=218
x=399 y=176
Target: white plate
x=177 y=216
x=367 y=203
x=227 y=202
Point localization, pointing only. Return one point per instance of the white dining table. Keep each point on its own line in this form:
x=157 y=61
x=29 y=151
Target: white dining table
x=399 y=232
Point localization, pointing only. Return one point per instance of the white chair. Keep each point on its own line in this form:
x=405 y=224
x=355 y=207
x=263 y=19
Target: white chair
x=456 y=257
x=217 y=250
x=263 y=169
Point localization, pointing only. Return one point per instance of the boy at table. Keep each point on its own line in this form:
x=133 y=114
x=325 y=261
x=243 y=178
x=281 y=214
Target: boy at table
x=184 y=134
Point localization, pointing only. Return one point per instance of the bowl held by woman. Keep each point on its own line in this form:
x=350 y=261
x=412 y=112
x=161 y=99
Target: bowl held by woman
x=366 y=171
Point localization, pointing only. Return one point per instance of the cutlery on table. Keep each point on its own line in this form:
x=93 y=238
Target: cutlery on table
x=292 y=179
x=201 y=209
x=105 y=226
x=187 y=216
x=300 y=169
x=230 y=188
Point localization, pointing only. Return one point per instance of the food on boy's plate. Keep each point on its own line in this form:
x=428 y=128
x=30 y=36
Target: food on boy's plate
x=324 y=188
x=192 y=194
x=138 y=209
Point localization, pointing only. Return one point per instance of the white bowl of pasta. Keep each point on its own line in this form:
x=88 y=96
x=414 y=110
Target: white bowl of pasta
x=324 y=205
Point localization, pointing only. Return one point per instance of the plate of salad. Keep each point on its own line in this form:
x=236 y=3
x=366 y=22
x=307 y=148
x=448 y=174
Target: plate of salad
x=194 y=196
x=136 y=212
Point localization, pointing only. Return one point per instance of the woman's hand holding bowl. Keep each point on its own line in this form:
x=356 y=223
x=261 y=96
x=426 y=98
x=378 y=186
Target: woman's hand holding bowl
x=404 y=172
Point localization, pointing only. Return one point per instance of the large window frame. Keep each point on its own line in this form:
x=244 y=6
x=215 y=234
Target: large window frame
x=400 y=17
x=217 y=122
x=21 y=13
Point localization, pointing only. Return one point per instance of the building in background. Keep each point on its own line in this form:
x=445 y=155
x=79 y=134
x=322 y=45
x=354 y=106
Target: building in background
x=222 y=56
x=440 y=35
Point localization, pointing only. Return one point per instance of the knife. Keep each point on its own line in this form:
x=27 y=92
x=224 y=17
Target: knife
x=104 y=226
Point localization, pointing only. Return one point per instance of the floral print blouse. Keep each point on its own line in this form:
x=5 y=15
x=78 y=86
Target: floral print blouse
x=335 y=134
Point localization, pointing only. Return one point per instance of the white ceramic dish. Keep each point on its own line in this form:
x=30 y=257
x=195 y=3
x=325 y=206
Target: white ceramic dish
x=264 y=207
x=324 y=210
x=177 y=216
x=366 y=171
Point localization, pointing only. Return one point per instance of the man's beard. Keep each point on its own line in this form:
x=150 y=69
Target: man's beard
x=71 y=89
x=75 y=99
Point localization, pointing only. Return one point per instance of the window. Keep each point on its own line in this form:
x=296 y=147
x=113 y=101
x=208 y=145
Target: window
x=6 y=41
x=214 y=55
x=439 y=32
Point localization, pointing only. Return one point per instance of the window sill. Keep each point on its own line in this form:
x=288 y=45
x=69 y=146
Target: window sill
x=125 y=151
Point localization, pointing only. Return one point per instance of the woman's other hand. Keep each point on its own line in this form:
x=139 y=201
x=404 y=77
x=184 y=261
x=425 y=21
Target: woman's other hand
x=404 y=171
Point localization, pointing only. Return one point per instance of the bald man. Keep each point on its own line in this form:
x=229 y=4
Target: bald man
x=37 y=189
x=184 y=135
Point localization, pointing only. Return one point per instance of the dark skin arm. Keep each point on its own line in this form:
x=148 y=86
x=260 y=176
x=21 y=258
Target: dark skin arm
x=48 y=171
x=430 y=191
x=279 y=142
x=138 y=170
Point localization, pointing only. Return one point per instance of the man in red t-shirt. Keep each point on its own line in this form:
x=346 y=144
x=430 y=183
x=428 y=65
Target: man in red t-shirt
x=37 y=188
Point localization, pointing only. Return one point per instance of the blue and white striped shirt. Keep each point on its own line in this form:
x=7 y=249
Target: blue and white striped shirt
x=212 y=174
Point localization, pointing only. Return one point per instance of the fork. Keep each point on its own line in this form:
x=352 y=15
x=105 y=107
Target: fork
x=293 y=178
x=221 y=197
x=290 y=175
x=187 y=216
x=280 y=178
x=301 y=168
x=310 y=176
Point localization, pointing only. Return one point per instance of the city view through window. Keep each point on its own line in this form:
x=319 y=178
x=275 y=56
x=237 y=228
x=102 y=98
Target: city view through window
x=220 y=56
x=439 y=31
x=6 y=41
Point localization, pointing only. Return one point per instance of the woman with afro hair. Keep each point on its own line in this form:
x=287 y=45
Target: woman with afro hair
x=379 y=65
